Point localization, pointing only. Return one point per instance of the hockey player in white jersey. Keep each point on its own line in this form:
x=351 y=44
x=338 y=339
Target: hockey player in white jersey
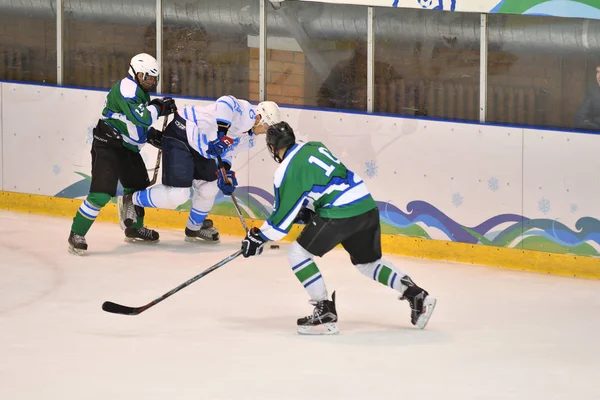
x=191 y=143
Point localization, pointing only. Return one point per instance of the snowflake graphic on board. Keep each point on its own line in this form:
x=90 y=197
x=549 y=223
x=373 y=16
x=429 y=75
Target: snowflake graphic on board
x=457 y=199
x=56 y=169
x=574 y=208
x=493 y=184
x=371 y=168
x=544 y=205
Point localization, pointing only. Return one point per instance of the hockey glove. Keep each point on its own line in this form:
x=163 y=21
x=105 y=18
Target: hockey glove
x=155 y=138
x=253 y=243
x=228 y=185
x=304 y=216
x=219 y=146
x=166 y=106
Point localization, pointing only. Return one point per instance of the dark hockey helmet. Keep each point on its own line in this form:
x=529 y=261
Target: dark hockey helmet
x=280 y=136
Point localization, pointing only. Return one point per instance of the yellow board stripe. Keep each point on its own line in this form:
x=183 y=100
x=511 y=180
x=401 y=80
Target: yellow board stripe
x=522 y=260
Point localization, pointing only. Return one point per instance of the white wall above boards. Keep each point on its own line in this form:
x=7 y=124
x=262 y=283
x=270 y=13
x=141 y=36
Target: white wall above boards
x=561 y=192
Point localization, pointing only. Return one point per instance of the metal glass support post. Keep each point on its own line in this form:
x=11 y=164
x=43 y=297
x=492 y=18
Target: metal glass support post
x=370 y=59
x=262 y=50
x=59 y=44
x=159 y=42
x=483 y=69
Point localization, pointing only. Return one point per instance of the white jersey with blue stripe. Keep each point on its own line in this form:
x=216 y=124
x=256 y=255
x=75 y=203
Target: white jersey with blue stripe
x=201 y=125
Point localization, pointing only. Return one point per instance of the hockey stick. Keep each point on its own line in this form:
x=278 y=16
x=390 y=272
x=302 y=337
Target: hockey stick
x=156 y=167
x=159 y=156
x=235 y=203
x=115 y=308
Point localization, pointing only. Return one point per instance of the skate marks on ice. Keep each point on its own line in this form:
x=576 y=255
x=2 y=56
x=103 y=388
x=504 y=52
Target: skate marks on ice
x=27 y=274
x=352 y=331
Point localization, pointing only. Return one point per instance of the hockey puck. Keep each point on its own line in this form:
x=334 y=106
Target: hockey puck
x=274 y=246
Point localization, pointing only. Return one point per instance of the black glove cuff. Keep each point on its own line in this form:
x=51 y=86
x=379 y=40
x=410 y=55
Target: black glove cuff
x=222 y=128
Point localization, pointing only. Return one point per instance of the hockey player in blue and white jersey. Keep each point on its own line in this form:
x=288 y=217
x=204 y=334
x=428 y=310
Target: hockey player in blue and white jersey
x=190 y=144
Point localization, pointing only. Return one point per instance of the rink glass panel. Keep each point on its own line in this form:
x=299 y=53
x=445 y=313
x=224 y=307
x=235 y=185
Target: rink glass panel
x=539 y=68
x=98 y=46
x=427 y=63
x=205 y=47
x=28 y=44
x=316 y=55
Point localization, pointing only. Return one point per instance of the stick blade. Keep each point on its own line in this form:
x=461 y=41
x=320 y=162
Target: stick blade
x=115 y=308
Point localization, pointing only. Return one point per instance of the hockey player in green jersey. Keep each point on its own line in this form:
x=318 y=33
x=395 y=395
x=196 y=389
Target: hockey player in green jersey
x=118 y=138
x=313 y=185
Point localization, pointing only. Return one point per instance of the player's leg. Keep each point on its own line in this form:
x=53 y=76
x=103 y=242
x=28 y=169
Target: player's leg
x=199 y=228
x=103 y=187
x=177 y=175
x=364 y=247
x=318 y=237
x=134 y=177
x=204 y=191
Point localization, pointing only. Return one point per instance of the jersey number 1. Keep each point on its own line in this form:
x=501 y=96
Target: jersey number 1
x=320 y=163
x=140 y=109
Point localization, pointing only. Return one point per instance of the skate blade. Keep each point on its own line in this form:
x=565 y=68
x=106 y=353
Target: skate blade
x=140 y=241
x=429 y=305
x=192 y=239
x=77 y=252
x=120 y=211
x=323 y=329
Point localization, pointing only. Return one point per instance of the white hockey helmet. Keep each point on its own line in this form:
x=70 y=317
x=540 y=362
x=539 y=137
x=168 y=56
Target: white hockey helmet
x=269 y=112
x=148 y=66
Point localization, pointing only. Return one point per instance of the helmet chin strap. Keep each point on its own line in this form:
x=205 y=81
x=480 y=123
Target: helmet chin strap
x=135 y=74
x=275 y=153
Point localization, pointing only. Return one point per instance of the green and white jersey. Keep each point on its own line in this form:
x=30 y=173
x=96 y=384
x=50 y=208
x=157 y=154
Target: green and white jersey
x=311 y=175
x=126 y=109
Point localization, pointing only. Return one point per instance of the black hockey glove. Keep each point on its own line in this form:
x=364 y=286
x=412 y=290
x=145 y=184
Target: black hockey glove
x=166 y=106
x=155 y=138
x=253 y=243
x=304 y=216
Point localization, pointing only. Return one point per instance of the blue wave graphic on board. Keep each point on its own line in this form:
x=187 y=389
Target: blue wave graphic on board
x=490 y=231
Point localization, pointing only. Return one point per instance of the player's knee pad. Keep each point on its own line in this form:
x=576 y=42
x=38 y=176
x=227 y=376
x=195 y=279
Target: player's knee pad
x=98 y=199
x=204 y=189
x=176 y=196
x=298 y=254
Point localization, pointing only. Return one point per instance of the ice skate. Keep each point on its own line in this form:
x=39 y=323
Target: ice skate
x=206 y=234
x=421 y=303
x=141 y=235
x=322 y=321
x=77 y=244
x=126 y=211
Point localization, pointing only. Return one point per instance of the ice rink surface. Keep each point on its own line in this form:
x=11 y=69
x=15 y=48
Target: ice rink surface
x=495 y=334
